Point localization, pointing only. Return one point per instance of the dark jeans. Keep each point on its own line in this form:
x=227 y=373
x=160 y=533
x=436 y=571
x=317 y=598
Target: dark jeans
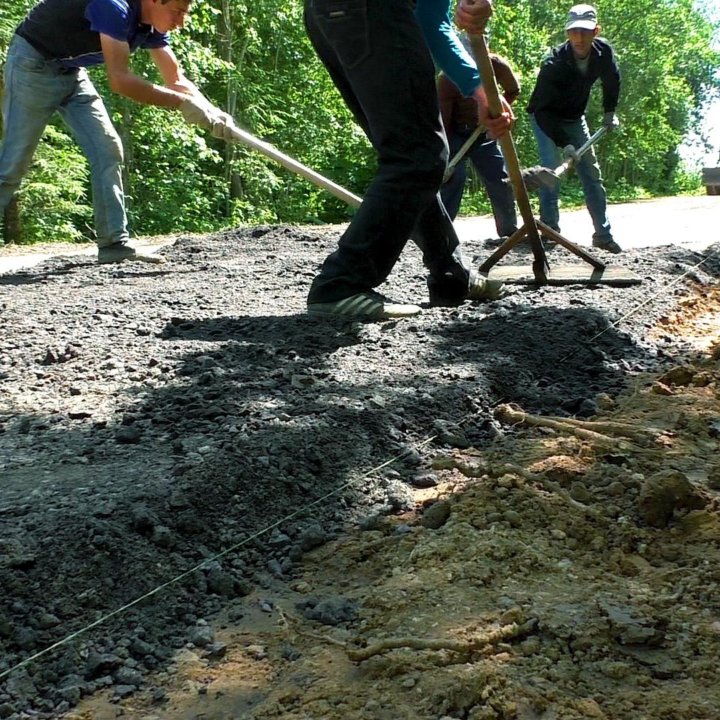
x=485 y=155
x=375 y=53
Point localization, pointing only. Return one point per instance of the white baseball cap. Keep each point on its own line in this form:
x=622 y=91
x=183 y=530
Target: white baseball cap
x=582 y=17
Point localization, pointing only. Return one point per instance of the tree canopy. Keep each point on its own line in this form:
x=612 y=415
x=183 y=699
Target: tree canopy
x=257 y=64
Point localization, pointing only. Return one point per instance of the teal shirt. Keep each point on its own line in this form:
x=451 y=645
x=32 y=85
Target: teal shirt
x=451 y=57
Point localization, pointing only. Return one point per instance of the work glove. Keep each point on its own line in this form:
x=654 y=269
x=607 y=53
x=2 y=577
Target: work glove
x=198 y=110
x=223 y=126
x=611 y=121
x=570 y=153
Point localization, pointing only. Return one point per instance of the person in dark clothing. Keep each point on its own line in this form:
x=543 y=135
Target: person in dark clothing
x=45 y=72
x=557 y=107
x=460 y=120
x=378 y=53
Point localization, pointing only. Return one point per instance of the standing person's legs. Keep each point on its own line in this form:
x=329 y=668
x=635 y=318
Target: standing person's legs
x=86 y=116
x=490 y=164
x=550 y=158
x=33 y=91
x=377 y=57
x=451 y=192
x=588 y=171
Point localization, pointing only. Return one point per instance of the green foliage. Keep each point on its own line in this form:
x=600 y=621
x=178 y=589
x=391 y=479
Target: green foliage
x=257 y=64
x=60 y=210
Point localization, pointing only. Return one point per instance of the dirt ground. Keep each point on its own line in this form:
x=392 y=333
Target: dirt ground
x=499 y=511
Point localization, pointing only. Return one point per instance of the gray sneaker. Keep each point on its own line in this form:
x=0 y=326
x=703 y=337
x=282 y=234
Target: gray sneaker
x=367 y=305
x=117 y=252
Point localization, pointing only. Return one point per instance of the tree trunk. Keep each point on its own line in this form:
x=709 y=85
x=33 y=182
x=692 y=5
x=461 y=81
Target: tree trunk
x=226 y=37
x=128 y=154
x=12 y=222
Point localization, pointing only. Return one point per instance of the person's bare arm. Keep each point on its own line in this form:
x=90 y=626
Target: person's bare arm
x=171 y=72
x=125 y=82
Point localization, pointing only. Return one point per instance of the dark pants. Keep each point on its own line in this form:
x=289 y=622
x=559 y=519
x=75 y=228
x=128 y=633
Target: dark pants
x=375 y=53
x=485 y=155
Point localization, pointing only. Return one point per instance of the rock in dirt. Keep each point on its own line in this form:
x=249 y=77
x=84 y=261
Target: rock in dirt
x=329 y=611
x=665 y=493
x=436 y=515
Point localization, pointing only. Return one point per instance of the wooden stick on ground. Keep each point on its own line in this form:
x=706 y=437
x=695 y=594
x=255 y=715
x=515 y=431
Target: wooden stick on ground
x=466 y=647
x=513 y=416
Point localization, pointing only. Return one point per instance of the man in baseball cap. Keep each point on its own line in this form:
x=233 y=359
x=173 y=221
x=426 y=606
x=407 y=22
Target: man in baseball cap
x=557 y=115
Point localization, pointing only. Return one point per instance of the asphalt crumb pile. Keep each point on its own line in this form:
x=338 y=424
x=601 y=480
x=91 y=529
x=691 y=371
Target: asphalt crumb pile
x=222 y=486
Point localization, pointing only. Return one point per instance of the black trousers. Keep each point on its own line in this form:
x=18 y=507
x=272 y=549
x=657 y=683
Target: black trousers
x=375 y=53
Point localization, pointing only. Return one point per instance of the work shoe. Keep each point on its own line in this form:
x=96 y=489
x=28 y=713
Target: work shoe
x=482 y=288
x=607 y=244
x=117 y=252
x=496 y=242
x=479 y=288
x=368 y=305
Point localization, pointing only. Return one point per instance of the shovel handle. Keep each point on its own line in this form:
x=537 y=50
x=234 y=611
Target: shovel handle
x=560 y=170
x=462 y=152
x=487 y=75
x=294 y=166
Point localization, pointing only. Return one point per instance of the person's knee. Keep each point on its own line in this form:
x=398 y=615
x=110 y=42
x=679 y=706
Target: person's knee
x=590 y=172
x=115 y=151
x=430 y=159
x=105 y=152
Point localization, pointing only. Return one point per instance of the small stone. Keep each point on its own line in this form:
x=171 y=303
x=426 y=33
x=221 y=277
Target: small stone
x=158 y=695
x=616 y=489
x=312 y=537
x=424 y=480
x=678 y=376
x=664 y=493
x=128 y=676
x=201 y=636
x=579 y=492
x=659 y=388
x=256 y=652
x=216 y=650
x=98 y=664
x=127 y=435
x=436 y=515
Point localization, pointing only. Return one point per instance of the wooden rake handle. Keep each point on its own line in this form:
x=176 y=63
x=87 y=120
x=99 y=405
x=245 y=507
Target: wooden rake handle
x=507 y=144
x=487 y=75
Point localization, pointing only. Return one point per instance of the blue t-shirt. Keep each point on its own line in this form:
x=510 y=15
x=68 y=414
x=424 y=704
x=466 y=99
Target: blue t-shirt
x=451 y=57
x=68 y=31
